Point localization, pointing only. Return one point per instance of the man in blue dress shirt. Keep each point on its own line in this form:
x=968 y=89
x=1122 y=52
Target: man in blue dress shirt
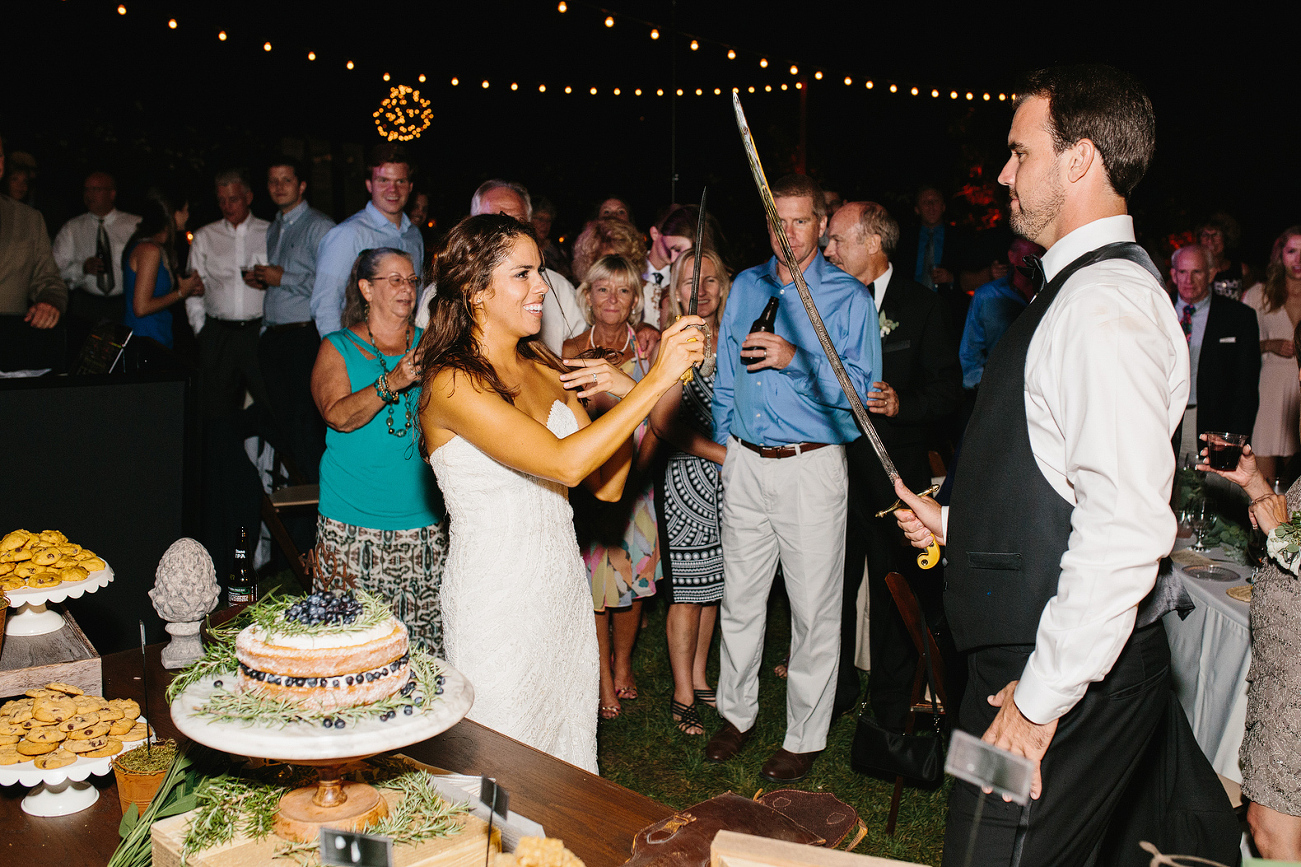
x=289 y=342
x=781 y=412
x=994 y=307
x=381 y=223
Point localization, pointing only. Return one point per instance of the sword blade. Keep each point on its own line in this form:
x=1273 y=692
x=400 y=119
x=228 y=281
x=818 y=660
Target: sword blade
x=833 y=357
x=695 y=269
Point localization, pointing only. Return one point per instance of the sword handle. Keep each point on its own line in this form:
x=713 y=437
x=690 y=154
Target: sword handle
x=928 y=558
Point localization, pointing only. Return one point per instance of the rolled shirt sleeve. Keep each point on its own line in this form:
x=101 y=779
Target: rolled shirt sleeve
x=1106 y=380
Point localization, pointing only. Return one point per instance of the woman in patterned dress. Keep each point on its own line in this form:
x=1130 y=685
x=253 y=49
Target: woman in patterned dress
x=620 y=541
x=692 y=495
x=1270 y=756
x=380 y=525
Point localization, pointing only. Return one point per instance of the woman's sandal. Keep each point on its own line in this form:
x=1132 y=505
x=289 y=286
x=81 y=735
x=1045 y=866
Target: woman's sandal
x=626 y=693
x=687 y=718
x=708 y=697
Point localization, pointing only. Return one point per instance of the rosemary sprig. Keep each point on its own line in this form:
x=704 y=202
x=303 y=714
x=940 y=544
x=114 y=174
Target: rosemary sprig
x=269 y=616
x=247 y=805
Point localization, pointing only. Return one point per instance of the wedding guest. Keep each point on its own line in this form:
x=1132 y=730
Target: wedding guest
x=381 y=223
x=1220 y=236
x=693 y=490
x=380 y=525
x=33 y=296
x=603 y=237
x=1271 y=769
x=88 y=251
x=616 y=208
x=620 y=541
x=228 y=317
x=150 y=279
x=1277 y=303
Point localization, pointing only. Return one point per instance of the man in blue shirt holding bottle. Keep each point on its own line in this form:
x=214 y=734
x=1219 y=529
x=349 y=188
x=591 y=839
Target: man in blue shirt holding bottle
x=781 y=412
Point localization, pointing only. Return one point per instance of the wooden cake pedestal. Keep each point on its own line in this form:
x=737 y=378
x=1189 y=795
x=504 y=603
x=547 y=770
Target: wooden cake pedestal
x=332 y=803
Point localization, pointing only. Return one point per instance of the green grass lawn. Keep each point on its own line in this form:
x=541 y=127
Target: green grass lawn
x=644 y=751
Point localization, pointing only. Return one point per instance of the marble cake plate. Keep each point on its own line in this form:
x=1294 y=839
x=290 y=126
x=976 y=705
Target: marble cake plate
x=333 y=802
x=29 y=614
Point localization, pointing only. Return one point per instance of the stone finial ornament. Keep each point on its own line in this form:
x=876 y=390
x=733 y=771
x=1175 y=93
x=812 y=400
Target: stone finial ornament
x=185 y=590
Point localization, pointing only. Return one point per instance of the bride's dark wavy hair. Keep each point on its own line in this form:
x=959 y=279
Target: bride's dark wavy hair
x=461 y=273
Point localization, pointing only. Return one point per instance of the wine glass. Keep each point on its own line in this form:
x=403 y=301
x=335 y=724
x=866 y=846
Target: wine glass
x=1199 y=517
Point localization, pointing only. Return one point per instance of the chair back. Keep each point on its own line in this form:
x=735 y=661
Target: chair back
x=915 y=622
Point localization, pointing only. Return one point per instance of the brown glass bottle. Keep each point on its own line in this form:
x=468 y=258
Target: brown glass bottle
x=767 y=322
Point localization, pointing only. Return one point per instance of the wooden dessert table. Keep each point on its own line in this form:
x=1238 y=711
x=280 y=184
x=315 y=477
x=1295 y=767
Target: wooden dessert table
x=596 y=818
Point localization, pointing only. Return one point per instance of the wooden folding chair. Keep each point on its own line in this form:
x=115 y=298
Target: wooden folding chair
x=921 y=702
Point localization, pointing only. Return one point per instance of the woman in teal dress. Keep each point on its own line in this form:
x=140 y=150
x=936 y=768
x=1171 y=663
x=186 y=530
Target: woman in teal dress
x=380 y=525
x=148 y=266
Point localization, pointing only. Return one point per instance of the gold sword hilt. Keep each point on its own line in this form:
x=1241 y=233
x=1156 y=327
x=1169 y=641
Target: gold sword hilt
x=690 y=373
x=928 y=558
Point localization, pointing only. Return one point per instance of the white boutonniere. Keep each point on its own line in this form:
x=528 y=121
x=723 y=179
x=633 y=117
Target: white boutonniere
x=887 y=325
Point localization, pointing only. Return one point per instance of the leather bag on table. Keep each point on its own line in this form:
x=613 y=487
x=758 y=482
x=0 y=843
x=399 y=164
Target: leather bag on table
x=683 y=839
x=884 y=753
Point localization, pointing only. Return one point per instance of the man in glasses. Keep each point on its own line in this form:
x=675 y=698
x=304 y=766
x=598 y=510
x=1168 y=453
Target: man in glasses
x=381 y=223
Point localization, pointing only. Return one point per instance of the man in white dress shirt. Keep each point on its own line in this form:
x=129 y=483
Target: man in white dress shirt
x=228 y=318
x=1060 y=508
x=88 y=251
x=562 y=318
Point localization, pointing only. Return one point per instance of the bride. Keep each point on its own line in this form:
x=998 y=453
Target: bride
x=506 y=433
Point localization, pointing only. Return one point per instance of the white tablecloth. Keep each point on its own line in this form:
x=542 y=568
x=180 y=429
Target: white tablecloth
x=1210 y=654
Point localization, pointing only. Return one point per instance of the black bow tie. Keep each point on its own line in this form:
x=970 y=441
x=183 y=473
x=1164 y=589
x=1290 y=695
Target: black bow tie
x=1034 y=272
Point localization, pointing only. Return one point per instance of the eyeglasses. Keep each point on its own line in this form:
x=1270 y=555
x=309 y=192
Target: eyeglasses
x=397 y=281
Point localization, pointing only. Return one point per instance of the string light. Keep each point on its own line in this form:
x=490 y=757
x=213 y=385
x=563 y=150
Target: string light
x=568 y=89
x=818 y=75
x=953 y=94
x=189 y=237
x=222 y=36
x=563 y=7
x=763 y=63
x=1002 y=97
x=914 y=91
x=266 y=46
x=848 y=81
x=514 y=86
x=311 y=55
x=659 y=91
x=121 y=9
x=484 y=84
x=870 y=85
x=655 y=34
x=718 y=91
x=617 y=91
x=795 y=70
x=783 y=85
x=894 y=88
x=695 y=46
x=679 y=91
x=767 y=88
x=404 y=115
x=386 y=76
x=592 y=91
x=172 y=23
x=542 y=88
x=986 y=97
x=637 y=92
x=455 y=82
x=799 y=85
x=970 y=95
x=609 y=21
x=731 y=54
x=421 y=78
x=935 y=93
x=699 y=92
x=751 y=88
x=352 y=65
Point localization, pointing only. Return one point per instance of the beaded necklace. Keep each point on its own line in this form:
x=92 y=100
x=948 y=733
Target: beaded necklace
x=406 y=395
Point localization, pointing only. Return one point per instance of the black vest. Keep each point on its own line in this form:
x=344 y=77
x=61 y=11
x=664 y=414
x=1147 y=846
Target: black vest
x=1008 y=528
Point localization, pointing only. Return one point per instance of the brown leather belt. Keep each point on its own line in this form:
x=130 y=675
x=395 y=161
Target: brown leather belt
x=790 y=451
x=289 y=326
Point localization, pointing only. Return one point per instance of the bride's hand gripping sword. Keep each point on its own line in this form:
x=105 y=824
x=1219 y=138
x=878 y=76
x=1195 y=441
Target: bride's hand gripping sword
x=930 y=556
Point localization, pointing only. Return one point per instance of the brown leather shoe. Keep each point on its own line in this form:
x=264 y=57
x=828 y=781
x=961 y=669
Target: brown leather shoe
x=726 y=742
x=784 y=766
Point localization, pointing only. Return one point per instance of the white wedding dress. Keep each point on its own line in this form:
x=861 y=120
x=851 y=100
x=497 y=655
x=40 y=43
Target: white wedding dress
x=517 y=603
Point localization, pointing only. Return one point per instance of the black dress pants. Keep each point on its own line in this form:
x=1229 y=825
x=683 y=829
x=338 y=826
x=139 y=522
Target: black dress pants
x=1088 y=766
x=286 y=355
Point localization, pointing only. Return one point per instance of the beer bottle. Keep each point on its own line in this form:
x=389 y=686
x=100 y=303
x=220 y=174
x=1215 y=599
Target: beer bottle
x=241 y=588
x=766 y=322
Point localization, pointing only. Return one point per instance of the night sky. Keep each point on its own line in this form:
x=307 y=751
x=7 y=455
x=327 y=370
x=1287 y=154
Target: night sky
x=83 y=87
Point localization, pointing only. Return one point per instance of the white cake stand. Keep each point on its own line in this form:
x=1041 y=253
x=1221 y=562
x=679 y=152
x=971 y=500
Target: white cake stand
x=61 y=791
x=28 y=614
x=333 y=802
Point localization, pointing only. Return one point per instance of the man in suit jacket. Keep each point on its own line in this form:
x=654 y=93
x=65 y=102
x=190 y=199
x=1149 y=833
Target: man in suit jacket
x=921 y=384
x=935 y=254
x=1223 y=352
x=32 y=294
